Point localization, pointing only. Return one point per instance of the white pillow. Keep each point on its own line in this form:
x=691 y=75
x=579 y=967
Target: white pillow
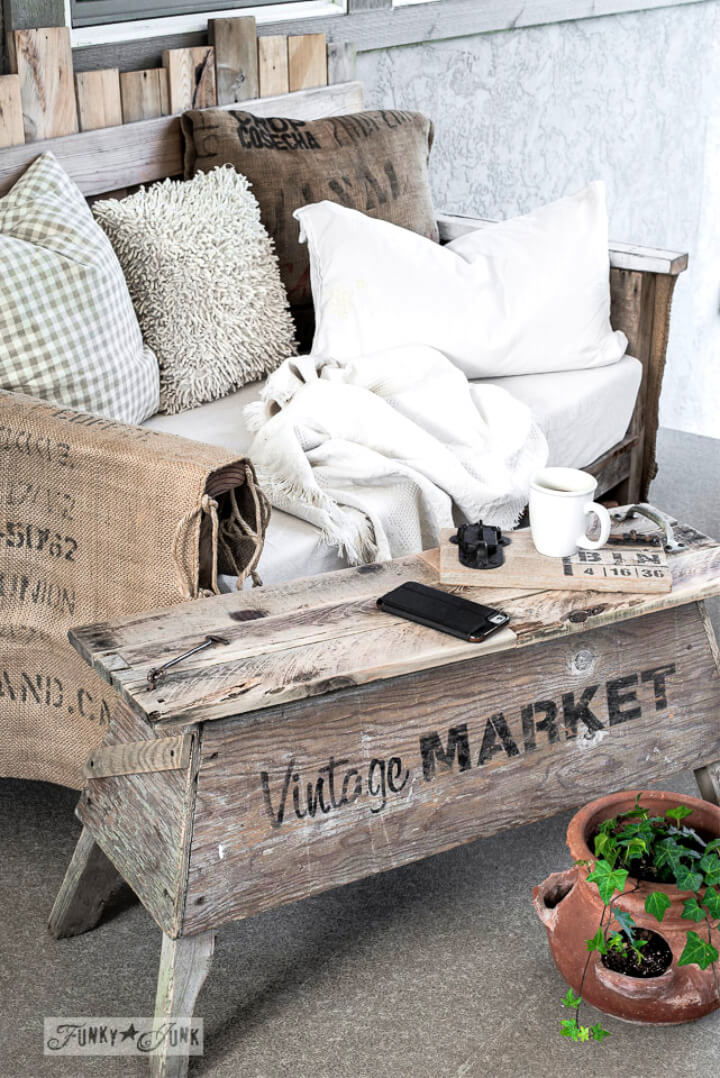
x=204 y=278
x=68 y=332
x=523 y=296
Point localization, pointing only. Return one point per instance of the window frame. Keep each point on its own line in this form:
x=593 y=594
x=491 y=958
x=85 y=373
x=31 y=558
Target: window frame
x=110 y=33
x=108 y=12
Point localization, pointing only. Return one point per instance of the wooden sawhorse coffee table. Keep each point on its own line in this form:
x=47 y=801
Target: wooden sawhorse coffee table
x=325 y=741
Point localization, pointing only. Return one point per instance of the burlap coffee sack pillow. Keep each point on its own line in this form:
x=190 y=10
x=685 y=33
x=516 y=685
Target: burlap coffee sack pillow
x=375 y=162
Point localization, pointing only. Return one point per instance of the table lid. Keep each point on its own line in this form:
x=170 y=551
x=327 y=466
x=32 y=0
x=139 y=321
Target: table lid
x=313 y=636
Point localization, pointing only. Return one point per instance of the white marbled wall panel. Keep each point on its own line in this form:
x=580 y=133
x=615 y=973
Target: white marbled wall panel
x=526 y=116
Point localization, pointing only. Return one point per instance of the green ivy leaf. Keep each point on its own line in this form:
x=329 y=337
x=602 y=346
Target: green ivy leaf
x=608 y=879
x=656 y=904
x=583 y=1033
x=678 y=813
x=634 y=847
x=624 y=919
x=616 y=942
x=569 y=1028
x=606 y=847
x=687 y=880
x=710 y=865
x=571 y=1000
x=692 y=911
x=697 y=952
x=714 y=844
x=598 y=942
x=668 y=852
x=711 y=902
x=598 y=1033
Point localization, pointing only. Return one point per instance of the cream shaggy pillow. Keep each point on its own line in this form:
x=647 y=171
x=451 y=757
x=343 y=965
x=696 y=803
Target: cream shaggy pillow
x=204 y=279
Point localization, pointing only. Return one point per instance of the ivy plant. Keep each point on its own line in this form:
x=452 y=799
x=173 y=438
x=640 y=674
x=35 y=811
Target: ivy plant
x=662 y=849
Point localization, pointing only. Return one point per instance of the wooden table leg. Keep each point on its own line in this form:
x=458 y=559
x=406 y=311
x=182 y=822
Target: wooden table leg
x=184 y=965
x=708 y=777
x=90 y=883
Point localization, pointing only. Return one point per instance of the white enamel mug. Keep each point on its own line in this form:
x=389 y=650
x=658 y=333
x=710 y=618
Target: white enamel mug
x=561 y=501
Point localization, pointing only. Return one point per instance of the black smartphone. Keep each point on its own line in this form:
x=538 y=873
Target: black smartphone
x=439 y=610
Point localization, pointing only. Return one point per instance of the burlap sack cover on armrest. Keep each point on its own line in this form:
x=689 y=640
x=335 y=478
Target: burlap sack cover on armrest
x=99 y=519
x=375 y=162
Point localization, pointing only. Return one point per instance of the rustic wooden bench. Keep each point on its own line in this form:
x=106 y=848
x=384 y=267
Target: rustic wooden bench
x=105 y=160
x=321 y=741
x=642 y=279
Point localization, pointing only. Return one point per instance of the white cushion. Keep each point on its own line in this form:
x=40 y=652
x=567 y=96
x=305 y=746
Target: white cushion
x=582 y=413
x=524 y=296
x=219 y=422
x=204 y=278
x=68 y=332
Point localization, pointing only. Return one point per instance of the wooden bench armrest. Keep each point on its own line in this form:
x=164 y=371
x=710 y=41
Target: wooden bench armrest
x=625 y=256
x=642 y=280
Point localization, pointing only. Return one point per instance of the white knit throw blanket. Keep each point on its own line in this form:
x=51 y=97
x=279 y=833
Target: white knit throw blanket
x=382 y=453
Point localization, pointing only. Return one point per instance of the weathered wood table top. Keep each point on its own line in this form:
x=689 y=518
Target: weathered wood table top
x=314 y=636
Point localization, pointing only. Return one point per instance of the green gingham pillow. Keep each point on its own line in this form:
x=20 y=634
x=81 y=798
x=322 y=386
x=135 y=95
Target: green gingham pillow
x=68 y=331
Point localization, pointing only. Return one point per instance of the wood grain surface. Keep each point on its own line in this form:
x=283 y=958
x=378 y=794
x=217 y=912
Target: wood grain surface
x=307 y=61
x=142 y=823
x=303 y=798
x=273 y=65
x=613 y=466
x=135 y=757
x=98 y=98
x=144 y=95
x=191 y=78
x=12 y=132
x=90 y=885
x=184 y=966
x=341 y=61
x=310 y=637
x=236 y=59
x=43 y=60
x=636 y=569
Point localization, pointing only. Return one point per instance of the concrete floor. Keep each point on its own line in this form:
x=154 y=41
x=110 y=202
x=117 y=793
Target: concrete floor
x=437 y=970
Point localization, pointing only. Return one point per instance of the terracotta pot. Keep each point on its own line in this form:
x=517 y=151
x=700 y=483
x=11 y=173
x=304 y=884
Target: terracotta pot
x=570 y=908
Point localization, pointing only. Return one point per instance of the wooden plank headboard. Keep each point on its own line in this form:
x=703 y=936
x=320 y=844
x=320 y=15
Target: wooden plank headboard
x=116 y=157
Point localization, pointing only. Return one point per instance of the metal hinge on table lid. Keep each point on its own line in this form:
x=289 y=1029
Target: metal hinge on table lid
x=158 y=672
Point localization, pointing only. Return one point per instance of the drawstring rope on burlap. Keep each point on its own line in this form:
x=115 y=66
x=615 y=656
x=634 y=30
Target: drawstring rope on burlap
x=185 y=574
x=225 y=537
x=235 y=530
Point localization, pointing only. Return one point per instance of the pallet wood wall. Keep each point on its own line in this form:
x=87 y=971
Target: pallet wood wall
x=43 y=61
x=191 y=78
x=144 y=94
x=273 y=76
x=307 y=61
x=42 y=98
x=98 y=99
x=11 y=117
x=236 y=58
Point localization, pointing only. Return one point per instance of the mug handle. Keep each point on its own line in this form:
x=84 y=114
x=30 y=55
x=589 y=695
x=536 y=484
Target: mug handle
x=605 y=524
